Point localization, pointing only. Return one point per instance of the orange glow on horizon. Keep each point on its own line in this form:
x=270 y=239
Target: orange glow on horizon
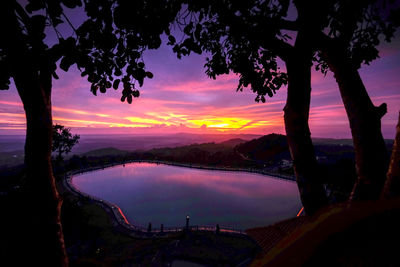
x=220 y=122
x=181 y=99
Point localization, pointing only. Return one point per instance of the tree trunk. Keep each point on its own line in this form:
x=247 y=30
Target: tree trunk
x=392 y=184
x=42 y=236
x=365 y=124
x=312 y=191
x=35 y=225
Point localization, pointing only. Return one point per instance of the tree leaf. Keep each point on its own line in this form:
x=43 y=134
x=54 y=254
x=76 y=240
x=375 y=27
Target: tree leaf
x=65 y=63
x=93 y=89
x=135 y=93
x=171 y=40
x=116 y=84
x=129 y=99
x=149 y=75
x=117 y=72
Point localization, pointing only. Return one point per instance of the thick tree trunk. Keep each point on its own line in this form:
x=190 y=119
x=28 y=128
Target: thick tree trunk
x=42 y=237
x=35 y=226
x=312 y=191
x=392 y=184
x=365 y=123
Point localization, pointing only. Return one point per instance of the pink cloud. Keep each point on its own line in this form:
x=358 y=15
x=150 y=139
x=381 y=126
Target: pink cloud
x=181 y=98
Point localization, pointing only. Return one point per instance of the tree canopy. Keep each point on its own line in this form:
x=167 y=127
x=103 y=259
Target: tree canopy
x=63 y=140
x=107 y=48
x=247 y=37
x=242 y=37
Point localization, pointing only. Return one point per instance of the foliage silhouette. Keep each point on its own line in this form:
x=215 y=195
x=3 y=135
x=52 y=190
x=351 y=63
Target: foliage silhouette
x=63 y=140
x=246 y=38
x=109 y=43
x=356 y=29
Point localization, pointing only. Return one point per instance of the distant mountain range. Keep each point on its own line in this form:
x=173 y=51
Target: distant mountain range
x=12 y=146
x=146 y=142
x=269 y=150
x=272 y=147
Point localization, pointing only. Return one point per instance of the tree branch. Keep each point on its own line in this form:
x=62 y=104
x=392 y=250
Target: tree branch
x=281 y=48
x=21 y=13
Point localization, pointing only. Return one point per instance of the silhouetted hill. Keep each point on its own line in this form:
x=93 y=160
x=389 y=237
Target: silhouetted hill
x=335 y=157
x=209 y=147
x=108 y=151
x=147 y=142
x=233 y=142
x=272 y=147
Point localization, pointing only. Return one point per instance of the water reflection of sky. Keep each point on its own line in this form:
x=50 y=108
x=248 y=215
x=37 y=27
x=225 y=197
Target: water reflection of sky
x=165 y=194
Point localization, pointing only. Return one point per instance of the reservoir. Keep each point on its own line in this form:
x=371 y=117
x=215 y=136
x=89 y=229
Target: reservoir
x=165 y=194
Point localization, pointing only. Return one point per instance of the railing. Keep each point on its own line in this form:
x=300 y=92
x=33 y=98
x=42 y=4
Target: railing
x=120 y=219
x=208 y=228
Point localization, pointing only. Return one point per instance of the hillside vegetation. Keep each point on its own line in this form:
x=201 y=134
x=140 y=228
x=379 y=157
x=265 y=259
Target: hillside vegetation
x=268 y=153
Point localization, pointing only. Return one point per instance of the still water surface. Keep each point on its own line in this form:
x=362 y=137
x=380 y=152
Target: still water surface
x=156 y=193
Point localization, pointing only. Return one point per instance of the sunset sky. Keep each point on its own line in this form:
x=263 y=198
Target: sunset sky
x=181 y=98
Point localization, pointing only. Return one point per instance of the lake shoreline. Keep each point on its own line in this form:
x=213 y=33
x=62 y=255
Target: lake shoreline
x=194 y=166
x=118 y=218
x=116 y=214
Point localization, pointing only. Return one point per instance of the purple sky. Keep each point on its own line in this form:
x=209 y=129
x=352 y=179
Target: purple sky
x=180 y=98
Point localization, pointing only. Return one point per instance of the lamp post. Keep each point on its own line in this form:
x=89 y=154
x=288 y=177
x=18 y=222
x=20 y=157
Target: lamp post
x=187 y=222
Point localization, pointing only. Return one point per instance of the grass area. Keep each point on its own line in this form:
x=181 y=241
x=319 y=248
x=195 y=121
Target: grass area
x=91 y=240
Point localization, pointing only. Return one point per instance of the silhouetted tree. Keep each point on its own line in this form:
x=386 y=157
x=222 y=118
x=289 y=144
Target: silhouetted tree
x=356 y=28
x=247 y=37
x=63 y=140
x=108 y=44
x=392 y=184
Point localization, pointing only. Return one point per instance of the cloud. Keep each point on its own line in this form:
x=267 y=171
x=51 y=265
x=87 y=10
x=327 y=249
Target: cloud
x=181 y=98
